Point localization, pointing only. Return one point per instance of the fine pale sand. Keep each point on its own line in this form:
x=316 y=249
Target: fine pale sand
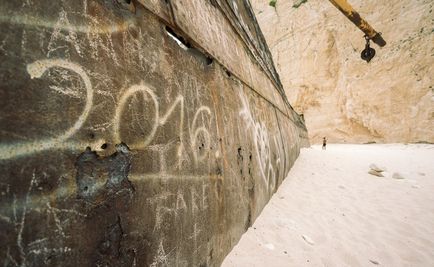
x=330 y=212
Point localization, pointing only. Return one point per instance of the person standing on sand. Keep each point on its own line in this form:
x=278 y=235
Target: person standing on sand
x=324 y=143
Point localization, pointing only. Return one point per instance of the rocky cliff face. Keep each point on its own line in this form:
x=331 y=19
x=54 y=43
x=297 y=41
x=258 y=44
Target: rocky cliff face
x=317 y=53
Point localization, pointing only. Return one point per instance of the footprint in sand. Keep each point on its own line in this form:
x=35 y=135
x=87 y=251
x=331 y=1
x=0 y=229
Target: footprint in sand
x=308 y=240
x=398 y=176
x=374 y=262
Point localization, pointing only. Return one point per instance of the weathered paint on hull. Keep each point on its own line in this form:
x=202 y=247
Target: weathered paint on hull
x=119 y=147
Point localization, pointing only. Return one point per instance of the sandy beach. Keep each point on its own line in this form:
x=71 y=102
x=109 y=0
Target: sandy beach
x=330 y=211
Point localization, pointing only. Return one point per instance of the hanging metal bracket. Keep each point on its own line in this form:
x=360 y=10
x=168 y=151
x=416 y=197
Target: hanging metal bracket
x=370 y=34
x=368 y=53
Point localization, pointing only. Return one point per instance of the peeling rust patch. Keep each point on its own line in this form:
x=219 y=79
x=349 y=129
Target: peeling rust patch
x=98 y=176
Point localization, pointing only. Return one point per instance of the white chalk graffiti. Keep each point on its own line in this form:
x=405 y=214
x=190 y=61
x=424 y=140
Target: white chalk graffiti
x=36 y=70
x=198 y=130
x=21 y=210
x=161 y=258
x=170 y=206
x=60 y=141
x=31 y=21
x=159 y=120
x=262 y=144
x=119 y=110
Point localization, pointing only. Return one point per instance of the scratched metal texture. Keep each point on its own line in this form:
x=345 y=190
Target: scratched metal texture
x=121 y=147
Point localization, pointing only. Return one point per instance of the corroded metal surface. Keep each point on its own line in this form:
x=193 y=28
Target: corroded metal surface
x=355 y=18
x=122 y=147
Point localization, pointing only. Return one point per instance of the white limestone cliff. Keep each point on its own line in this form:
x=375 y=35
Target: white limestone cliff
x=317 y=54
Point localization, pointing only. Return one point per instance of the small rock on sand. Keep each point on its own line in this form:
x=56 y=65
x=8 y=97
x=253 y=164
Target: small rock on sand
x=376 y=168
x=308 y=240
x=376 y=173
x=397 y=175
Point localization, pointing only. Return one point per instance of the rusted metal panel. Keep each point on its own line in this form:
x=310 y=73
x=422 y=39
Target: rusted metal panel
x=161 y=8
x=205 y=23
x=121 y=147
x=240 y=15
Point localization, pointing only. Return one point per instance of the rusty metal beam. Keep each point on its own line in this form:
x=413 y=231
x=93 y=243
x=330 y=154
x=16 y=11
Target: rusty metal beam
x=362 y=24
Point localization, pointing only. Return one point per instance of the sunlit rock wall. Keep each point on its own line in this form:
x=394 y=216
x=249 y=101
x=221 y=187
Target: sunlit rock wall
x=317 y=54
x=136 y=133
